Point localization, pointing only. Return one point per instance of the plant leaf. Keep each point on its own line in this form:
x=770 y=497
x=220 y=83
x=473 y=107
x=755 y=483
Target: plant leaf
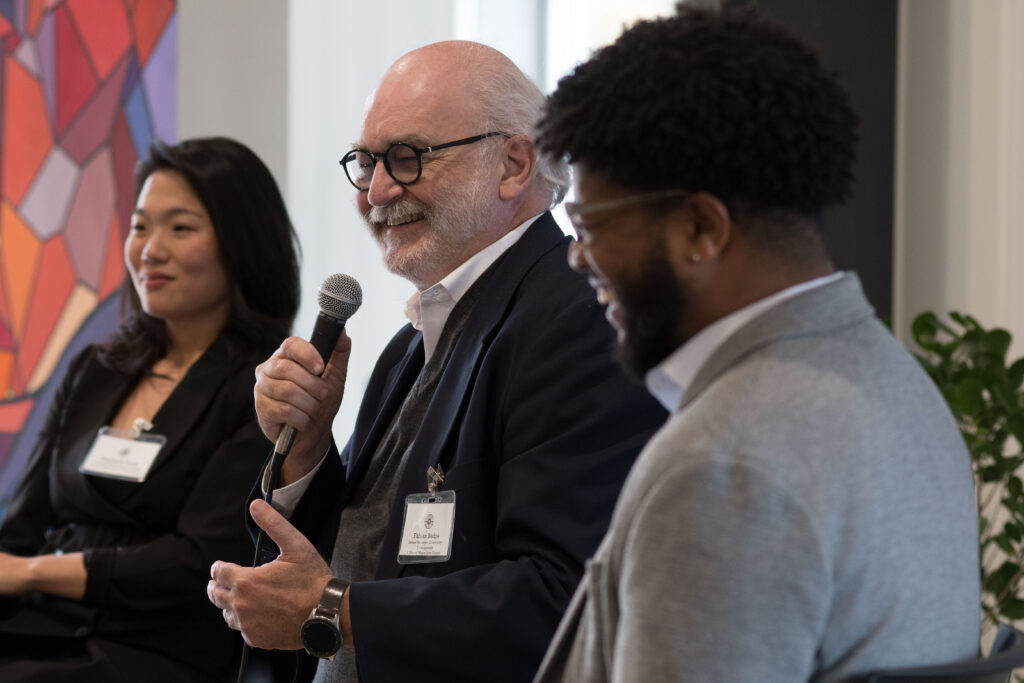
x=924 y=329
x=1015 y=375
x=1012 y=608
x=968 y=396
x=969 y=367
x=996 y=581
x=997 y=342
x=1014 y=487
x=957 y=317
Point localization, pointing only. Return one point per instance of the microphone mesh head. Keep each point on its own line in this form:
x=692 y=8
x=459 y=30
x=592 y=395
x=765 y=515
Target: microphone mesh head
x=339 y=296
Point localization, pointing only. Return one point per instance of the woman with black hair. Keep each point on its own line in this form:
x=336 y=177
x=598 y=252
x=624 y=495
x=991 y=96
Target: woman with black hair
x=140 y=475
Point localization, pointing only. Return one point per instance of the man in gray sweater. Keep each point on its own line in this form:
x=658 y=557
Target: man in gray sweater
x=807 y=513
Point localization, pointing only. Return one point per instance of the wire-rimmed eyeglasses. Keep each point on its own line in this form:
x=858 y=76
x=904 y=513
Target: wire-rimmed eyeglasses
x=403 y=162
x=579 y=213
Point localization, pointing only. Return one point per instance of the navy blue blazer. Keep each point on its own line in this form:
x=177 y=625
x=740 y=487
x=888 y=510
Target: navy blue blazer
x=536 y=426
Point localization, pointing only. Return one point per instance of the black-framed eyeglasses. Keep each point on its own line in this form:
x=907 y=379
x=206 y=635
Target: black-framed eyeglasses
x=579 y=213
x=403 y=162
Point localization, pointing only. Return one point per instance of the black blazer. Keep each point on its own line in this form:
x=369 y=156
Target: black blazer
x=536 y=427
x=148 y=546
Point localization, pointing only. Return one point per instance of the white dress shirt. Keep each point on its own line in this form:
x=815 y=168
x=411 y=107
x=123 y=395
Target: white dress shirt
x=428 y=310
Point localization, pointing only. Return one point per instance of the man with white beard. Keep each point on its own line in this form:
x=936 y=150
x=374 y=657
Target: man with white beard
x=447 y=536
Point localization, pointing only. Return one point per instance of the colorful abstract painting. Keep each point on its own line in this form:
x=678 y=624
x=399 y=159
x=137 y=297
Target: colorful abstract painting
x=85 y=86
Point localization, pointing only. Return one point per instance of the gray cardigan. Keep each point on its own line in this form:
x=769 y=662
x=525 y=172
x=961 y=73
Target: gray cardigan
x=806 y=514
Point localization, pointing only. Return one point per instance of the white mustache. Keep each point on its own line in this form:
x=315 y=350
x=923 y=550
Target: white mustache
x=399 y=212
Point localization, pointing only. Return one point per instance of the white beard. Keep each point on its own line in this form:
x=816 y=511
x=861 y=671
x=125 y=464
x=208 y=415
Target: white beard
x=455 y=218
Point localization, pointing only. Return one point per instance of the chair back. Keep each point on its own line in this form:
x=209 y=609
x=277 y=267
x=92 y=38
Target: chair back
x=1007 y=654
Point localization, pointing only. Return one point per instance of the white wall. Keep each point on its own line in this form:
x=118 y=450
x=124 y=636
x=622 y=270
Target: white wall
x=959 y=225
x=232 y=74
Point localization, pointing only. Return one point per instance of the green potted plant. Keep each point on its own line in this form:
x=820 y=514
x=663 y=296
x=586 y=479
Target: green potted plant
x=968 y=364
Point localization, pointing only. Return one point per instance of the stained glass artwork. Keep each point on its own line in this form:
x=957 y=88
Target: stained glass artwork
x=85 y=86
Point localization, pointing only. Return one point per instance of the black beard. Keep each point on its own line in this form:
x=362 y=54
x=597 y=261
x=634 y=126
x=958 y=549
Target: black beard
x=653 y=307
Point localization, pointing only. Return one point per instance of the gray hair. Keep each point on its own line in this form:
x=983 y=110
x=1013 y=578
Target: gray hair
x=512 y=103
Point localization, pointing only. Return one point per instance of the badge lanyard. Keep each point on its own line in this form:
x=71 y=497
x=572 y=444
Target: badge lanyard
x=428 y=523
x=123 y=454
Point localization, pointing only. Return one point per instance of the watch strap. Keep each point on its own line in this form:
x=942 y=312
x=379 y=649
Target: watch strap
x=330 y=600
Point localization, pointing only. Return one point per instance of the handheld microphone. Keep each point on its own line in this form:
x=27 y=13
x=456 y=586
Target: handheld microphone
x=339 y=297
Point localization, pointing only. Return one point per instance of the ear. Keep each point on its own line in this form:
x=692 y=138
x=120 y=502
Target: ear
x=699 y=230
x=517 y=166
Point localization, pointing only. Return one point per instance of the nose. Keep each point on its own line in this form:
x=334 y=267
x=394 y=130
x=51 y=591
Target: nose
x=153 y=249
x=383 y=188
x=577 y=258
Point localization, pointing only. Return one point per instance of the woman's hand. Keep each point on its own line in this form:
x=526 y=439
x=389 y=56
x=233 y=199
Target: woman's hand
x=61 y=575
x=13 y=574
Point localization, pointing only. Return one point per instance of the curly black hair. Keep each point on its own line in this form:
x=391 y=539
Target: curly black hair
x=725 y=102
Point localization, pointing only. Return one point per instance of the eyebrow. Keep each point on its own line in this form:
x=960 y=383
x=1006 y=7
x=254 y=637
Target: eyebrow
x=417 y=141
x=170 y=213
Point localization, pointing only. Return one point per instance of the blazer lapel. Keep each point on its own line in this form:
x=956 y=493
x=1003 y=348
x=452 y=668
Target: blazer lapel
x=190 y=399
x=105 y=389
x=443 y=414
x=453 y=390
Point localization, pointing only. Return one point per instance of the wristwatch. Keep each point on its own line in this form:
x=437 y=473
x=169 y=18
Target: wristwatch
x=320 y=633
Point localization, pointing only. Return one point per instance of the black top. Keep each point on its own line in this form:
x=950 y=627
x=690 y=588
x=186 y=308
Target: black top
x=147 y=546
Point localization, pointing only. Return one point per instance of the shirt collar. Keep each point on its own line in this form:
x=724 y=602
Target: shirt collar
x=428 y=310
x=668 y=380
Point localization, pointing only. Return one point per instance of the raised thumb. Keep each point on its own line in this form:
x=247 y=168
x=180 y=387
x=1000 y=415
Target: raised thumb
x=288 y=539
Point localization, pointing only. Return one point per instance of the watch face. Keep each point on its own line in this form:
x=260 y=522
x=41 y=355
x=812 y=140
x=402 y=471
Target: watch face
x=320 y=637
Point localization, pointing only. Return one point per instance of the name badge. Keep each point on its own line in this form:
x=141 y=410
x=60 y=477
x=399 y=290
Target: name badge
x=120 y=454
x=427 y=528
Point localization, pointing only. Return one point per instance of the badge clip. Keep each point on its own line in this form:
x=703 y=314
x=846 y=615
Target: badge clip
x=140 y=425
x=435 y=477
